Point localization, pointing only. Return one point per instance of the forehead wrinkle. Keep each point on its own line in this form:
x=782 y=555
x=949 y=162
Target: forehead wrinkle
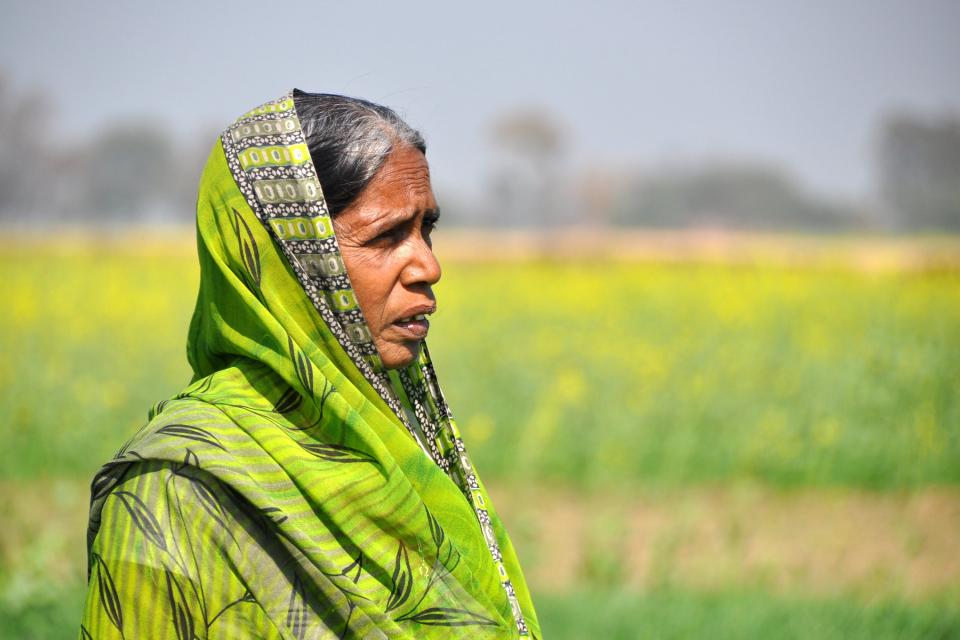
x=406 y=165
x=398 y=192
x=414 y=180
x=385 y=217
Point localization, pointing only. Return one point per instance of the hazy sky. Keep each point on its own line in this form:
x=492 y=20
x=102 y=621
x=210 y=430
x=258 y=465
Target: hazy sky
x=801 y=83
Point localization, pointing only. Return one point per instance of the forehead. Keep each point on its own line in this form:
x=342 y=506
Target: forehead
x=403 y=180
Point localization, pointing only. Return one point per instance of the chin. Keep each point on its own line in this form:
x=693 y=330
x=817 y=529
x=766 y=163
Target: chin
x=398 y=357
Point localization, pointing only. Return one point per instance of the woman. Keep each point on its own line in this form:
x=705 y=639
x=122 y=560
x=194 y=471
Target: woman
x=311 y=481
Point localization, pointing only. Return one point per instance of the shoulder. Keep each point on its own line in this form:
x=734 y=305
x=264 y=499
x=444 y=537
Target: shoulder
x=181 y=430
x=172 y=539
x=162 y=512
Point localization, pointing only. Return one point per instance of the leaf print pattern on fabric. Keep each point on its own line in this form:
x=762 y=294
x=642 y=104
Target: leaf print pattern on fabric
x=337 y=453
x=289 y=401
x=356 y=564
x=197 y=389
x=292 y=400
x=266 y=518
x=208 y=501
x=103 y=484
x=190 y=459
x=145 y=521
x=249 y=252
x=122 y=451
x=302 y=365
x=436 y=531
x=442 y=567
x=449 y=617
x=181 y=615
x=109 y=599
x=191 y=433
x=246 y=597
x=402 y=579
x=297 y=609
x=272 y=514
x=327 y=390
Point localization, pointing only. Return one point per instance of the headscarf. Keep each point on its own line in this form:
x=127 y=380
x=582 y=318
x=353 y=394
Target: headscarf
x=297 y=488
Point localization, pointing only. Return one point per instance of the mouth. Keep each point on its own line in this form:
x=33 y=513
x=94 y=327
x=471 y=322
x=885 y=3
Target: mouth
x=414 y=326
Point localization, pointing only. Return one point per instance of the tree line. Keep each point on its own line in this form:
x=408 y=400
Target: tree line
x=135 y=173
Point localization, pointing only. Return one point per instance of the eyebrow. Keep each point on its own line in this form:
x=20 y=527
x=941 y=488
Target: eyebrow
x=386 y=221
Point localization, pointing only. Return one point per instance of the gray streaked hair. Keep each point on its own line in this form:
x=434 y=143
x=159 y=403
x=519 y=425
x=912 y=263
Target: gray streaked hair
x=349 y=140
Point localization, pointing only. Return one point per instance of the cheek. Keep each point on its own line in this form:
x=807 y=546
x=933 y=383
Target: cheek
x=373 y=300
x=372 y=283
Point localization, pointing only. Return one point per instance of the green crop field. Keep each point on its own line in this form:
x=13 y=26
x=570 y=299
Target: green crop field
x=680 y=448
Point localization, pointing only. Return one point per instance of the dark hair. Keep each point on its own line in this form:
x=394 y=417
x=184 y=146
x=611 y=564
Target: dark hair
x=349 y=140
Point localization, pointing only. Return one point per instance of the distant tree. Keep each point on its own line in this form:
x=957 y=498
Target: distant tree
x=725 y=195
x=24 y=153
x=599 y=189
x=530 y=132
x=918 y=171
x=526 y=181
x=190 y=157
x=128 y=173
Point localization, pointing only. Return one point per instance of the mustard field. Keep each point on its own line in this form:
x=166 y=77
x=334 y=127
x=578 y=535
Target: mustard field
x=681 y=448
x=567 y=372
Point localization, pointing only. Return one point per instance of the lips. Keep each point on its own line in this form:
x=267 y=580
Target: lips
x=414 y=324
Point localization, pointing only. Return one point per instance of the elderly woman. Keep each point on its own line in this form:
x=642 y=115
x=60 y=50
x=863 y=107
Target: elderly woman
x=311 y=481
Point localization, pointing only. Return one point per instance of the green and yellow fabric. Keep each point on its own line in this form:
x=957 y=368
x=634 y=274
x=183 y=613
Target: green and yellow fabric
x=295 y=489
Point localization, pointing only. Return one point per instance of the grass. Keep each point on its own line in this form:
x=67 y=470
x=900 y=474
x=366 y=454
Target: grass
x=49 y=615
x=664 y=614
x=737 y=615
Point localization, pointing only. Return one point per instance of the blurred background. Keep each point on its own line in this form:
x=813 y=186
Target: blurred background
x=700 y=314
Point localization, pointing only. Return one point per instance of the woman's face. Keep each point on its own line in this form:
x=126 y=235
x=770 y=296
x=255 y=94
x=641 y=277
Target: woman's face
x=384 y=237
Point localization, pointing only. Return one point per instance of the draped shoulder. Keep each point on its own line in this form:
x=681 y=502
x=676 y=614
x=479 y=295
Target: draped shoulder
x=169 y=560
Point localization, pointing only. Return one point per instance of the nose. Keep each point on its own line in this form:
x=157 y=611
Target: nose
x=422 y=266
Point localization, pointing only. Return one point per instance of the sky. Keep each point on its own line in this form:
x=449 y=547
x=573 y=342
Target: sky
x=635 y=84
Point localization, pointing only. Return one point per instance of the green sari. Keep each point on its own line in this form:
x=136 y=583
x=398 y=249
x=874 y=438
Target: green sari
x=296 y=489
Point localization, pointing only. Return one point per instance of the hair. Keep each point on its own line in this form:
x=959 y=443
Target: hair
x=349 y=140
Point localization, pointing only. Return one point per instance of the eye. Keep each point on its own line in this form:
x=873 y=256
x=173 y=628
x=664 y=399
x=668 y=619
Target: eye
x=429 y=223
x=390 y=236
